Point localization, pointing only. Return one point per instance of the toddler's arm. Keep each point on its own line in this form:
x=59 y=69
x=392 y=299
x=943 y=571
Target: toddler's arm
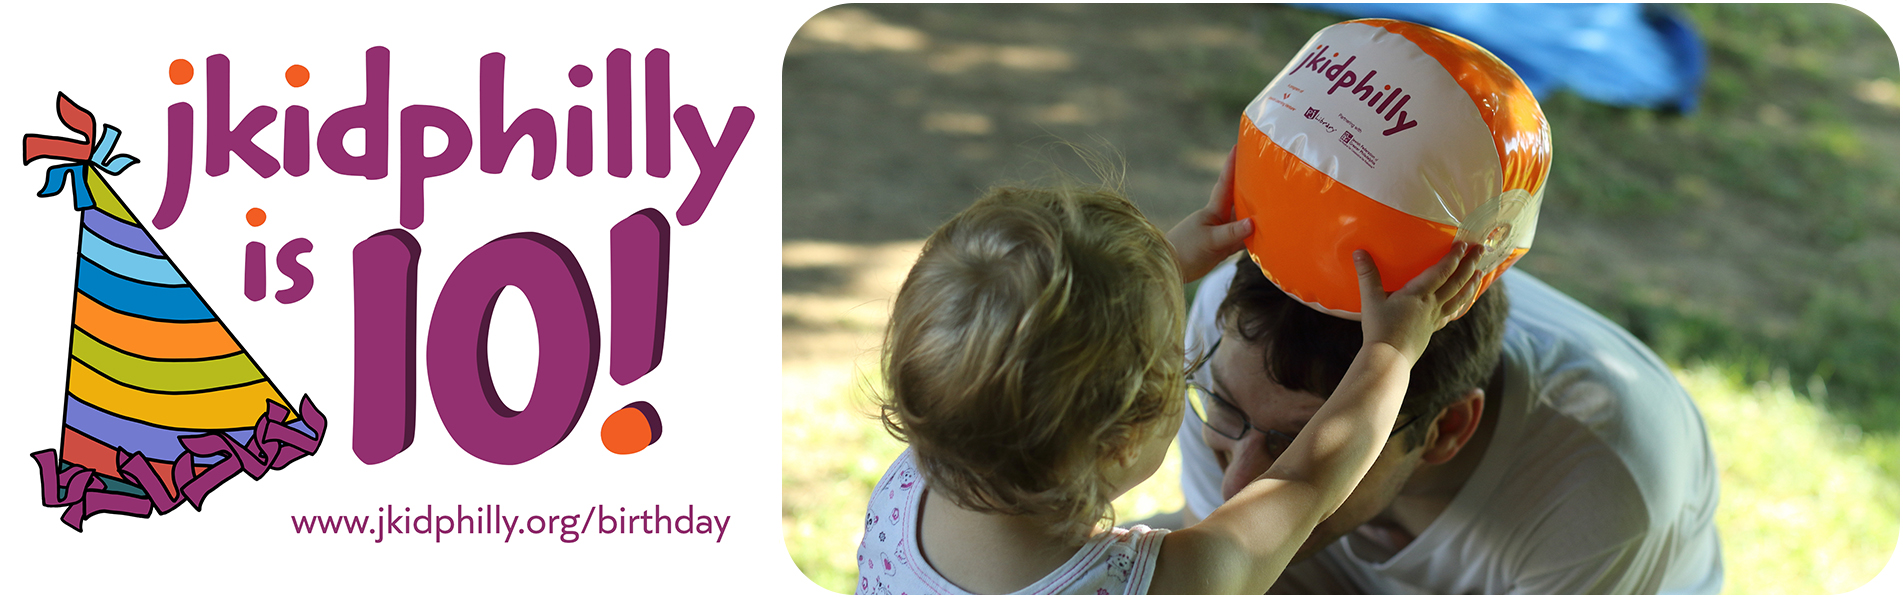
x=1208 y=236
x=1243 y=546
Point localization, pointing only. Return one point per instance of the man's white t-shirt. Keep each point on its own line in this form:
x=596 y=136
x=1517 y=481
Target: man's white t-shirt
x=1599 y=477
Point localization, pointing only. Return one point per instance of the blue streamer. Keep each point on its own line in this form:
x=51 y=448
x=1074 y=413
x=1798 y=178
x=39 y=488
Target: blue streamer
x=56 y=177
x=103 y=151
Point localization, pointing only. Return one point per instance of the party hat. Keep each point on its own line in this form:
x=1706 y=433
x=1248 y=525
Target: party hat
x=163 y=404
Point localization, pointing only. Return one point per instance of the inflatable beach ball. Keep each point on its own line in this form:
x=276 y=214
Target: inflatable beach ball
x=1395 y=138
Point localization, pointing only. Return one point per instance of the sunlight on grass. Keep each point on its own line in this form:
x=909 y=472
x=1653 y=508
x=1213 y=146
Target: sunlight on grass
x=1809 y=504
x=832 y=452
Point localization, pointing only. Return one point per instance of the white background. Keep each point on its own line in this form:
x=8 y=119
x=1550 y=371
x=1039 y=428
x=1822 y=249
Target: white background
x=715 y=388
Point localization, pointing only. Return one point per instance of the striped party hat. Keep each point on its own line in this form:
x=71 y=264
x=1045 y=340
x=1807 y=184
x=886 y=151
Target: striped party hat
x=162 y=403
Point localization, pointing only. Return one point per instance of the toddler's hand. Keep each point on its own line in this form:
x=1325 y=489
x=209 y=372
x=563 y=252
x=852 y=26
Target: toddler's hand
x=1409 y=316
x=1207 y=236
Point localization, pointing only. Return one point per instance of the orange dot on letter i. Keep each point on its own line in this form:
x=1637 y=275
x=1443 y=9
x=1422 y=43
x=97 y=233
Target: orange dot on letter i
x=297 y=75
x=631 y=429
x=180 y=72
x=254 y=256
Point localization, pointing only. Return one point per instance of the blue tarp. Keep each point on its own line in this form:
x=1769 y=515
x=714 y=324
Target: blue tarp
x=1619 y=54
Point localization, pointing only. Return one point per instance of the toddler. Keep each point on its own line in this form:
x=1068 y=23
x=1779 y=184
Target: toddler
x=1034 y=363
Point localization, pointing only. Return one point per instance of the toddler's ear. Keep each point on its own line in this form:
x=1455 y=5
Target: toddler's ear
x=1119 y=450
x=1127 y=457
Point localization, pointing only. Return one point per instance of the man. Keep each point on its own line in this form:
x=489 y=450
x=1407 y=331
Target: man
x=1540 y=449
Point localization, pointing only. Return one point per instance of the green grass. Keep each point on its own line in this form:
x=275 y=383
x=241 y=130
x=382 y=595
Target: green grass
x=1807 y=504
x=832 y=452
x=1795 y=142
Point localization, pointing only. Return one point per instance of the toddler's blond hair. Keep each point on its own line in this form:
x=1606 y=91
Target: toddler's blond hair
x=1037 y=339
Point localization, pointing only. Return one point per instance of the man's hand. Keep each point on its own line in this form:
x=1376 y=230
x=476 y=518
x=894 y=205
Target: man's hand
x=1209 y=235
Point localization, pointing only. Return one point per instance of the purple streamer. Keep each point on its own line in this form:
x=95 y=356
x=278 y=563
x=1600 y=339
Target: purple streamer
x=273 y=445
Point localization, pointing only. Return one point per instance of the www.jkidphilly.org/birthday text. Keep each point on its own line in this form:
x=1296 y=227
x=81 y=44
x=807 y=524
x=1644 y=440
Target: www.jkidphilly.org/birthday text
x=392 y=522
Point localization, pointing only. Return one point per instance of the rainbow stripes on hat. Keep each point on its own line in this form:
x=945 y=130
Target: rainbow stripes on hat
x=162 y=402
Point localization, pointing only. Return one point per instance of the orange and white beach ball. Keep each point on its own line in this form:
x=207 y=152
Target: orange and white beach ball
x=1395 y=138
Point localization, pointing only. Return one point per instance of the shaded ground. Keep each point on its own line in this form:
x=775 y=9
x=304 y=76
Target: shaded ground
x=897 y=116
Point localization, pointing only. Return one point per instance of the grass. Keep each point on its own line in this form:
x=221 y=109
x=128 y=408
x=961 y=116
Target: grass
x=1807 y=504
x=1788 y=170
x=832 y=452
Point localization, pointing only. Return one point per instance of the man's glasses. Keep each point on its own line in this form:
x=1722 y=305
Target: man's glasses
x=1227 y=420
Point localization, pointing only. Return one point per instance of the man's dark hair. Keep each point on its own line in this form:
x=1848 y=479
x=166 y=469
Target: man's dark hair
x=1460 y=356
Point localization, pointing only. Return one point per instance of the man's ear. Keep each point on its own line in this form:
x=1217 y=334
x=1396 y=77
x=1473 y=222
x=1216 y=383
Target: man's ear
x=1455 y=425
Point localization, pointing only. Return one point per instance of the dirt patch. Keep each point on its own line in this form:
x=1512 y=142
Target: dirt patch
x=898 y=116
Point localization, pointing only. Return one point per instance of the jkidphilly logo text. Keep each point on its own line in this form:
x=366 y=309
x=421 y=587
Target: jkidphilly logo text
x=1382 y=99
x=391 y=346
